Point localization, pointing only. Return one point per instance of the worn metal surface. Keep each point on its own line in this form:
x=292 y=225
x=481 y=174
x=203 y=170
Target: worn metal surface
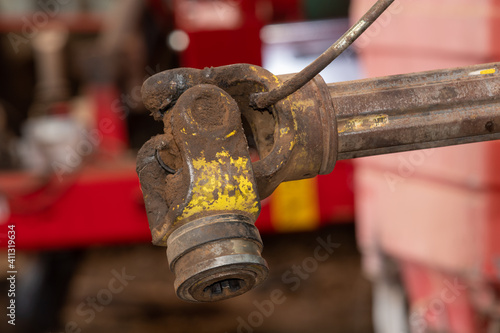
x=201 y=196
x=417 y=111
x=205 y=145
x=202 y=191
x=199 y=170
x=286 y=135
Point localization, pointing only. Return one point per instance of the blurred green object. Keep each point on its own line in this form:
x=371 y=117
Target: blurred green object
x=324 y=9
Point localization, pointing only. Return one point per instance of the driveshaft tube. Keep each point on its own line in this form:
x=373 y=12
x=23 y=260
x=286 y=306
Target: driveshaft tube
x=417 y=111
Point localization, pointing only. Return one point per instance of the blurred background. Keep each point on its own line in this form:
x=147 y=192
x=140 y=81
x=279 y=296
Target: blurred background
x=416 y=233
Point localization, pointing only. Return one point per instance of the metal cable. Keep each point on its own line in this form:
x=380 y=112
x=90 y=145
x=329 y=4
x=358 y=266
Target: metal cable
x=266 y=99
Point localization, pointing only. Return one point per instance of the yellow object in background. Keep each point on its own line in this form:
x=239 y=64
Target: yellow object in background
x=295 y=206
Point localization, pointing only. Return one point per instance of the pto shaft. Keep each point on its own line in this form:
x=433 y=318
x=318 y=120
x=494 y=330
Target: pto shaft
x=202 y=190
x=417 y=111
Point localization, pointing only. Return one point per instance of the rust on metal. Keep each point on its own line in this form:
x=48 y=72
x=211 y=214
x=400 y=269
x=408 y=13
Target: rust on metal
x=285 y=134
x=422 y=110
x=201 y=196
x=202 y=192
x=363 y=123
x=265 y=99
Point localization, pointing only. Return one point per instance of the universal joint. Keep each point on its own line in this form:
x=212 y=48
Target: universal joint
x=202 y=192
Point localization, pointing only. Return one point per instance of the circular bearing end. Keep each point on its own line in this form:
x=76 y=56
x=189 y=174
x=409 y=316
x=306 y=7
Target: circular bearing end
x=216 y=258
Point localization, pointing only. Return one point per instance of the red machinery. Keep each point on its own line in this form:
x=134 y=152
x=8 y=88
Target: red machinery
x=101 y=202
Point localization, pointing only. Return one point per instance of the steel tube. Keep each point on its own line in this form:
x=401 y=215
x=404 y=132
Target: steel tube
x=417 y=111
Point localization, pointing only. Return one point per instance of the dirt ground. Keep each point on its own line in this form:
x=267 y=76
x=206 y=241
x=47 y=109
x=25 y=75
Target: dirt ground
x=130 y=289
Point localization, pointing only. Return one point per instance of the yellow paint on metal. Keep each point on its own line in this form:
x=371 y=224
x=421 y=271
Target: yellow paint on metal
x=255 y=69
x=484 y=72
x=231 y=134
x=303 y=103
x=488 y=71
x=294 y=117
x=284 y=131
x=215 y=190
x=300 y=105
x=295 y=206
x=221 y=154
x=362 y=123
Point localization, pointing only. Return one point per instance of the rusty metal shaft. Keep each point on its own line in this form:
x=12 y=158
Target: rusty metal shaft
x=417 y=111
